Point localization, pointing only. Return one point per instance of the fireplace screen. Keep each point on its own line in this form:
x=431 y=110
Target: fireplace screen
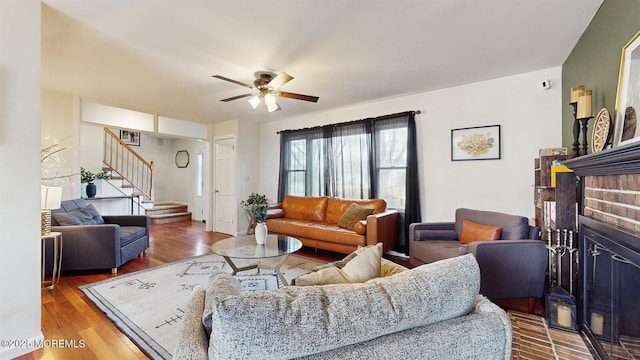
x=611 y=284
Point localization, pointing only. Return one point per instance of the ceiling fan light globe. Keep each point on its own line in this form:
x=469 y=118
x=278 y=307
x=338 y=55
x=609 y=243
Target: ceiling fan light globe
x=254 y=101
x=270 y=99
x=273 y=107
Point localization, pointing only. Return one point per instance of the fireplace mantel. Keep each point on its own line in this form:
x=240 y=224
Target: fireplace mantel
x=620 y=160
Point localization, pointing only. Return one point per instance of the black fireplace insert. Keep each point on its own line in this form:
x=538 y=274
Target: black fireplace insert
x=609 y=298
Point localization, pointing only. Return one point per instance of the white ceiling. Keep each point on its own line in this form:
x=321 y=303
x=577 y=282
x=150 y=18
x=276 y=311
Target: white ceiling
x=158 y=56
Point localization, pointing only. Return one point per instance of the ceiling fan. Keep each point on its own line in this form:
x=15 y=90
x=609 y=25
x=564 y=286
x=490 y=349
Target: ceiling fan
x=265 y=88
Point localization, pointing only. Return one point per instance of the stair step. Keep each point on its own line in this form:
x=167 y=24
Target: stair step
x=169 y=218
x=159 y=209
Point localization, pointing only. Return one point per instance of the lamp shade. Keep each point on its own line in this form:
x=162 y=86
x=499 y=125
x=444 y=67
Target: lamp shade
x=50 y=197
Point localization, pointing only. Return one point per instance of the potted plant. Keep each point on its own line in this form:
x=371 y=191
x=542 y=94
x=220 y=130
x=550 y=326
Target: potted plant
x=257 y=205
x=87 y=177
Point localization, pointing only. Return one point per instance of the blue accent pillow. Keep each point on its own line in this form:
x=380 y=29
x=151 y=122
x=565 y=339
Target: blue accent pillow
x=87 y=215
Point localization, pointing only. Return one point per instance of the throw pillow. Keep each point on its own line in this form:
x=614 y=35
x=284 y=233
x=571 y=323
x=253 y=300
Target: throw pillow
x=472 y=231
x=87 y=215
x=364 y=266
x=354 y=214
x=93 y=212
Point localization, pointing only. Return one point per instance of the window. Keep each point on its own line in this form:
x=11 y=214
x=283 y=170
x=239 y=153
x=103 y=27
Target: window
x=392 y=165
x=365 y=159
x=358 y=160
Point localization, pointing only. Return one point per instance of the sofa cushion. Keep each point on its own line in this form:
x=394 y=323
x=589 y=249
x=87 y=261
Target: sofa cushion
x=513 y=226
x=472 y=231
x=354 y=214
x=336 y=207
x=365 y=265
x=87 y=215
x=296 y=321
x=313 y=230
x=434 y=250
x=305 y=207
x=129 y=234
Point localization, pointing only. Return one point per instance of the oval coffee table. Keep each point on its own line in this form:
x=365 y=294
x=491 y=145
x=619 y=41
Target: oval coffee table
x=245 y=247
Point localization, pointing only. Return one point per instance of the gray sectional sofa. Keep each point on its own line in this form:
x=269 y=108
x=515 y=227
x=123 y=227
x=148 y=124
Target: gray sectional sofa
x=429 y=312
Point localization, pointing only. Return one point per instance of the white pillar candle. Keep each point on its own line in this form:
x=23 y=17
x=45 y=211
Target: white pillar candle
x=584 y=105
x=564 y=316
x=597 y=323
x=576 y=92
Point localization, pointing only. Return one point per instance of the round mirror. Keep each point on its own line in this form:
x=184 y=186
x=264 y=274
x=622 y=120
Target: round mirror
x=182 y=158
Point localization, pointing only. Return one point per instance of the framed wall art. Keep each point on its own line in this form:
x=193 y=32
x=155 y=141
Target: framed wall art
x=131 y=138
x=628 y=97
x=475 y=143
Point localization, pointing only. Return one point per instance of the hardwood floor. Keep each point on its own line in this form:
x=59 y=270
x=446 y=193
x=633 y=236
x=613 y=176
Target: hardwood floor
x=68 y=315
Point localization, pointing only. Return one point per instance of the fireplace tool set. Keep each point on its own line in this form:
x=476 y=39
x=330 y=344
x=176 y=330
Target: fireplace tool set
x=560 y=302
x=562 y=258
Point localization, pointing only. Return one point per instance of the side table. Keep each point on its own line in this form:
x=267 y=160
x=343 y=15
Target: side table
x=57 y=259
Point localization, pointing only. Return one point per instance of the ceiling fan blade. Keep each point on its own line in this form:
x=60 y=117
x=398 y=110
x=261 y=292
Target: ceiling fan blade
x=299 y=96
x=237 y=97
x=233 y=81
x=279 y=80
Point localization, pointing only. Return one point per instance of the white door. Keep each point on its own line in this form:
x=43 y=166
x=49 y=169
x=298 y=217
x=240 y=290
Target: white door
x=225 y=186
x=198 y=204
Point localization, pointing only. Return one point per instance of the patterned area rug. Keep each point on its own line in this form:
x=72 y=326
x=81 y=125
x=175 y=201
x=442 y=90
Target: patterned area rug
x=148 y=305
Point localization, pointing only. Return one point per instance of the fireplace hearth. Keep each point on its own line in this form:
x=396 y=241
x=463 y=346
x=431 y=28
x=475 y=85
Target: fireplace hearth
x=610 y=289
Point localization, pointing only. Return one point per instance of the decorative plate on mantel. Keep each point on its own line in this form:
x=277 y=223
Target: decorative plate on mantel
x=601 y=131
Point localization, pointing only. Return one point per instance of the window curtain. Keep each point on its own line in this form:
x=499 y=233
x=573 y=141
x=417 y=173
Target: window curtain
x=412 y=200
x=349 y=167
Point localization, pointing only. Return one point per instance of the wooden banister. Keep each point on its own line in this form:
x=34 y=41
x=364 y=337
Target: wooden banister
x=123 y=160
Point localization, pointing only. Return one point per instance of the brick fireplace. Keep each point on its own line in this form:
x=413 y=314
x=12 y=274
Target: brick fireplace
x=609 y=248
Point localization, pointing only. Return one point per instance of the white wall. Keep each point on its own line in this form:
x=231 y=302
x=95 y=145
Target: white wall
x=59 y=123
x=20 y=180
x=530 y=119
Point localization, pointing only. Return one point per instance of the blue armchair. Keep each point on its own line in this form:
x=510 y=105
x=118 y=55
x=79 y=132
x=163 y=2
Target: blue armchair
x=92 y=241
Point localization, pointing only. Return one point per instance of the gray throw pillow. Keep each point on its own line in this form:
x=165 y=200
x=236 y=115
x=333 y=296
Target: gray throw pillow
x=87 y=215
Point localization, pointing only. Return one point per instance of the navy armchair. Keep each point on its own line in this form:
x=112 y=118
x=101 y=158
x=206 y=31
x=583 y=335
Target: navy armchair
x=92 y=241
x=512 y=266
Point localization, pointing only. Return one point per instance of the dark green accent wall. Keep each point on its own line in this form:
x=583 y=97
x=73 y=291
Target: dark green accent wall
x=595 y=60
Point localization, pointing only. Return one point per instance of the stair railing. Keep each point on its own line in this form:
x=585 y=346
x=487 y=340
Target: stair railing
x=123 y=160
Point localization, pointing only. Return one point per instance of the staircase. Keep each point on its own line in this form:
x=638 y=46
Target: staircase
x=163 y=213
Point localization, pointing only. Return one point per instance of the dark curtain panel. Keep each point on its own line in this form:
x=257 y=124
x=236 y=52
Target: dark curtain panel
x=412 y=205
x=282 y=184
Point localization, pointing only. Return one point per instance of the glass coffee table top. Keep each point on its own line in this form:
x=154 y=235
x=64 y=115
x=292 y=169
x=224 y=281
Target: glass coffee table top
x=245 y=247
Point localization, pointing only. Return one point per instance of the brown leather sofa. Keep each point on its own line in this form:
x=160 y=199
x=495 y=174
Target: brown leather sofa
x=314 y=221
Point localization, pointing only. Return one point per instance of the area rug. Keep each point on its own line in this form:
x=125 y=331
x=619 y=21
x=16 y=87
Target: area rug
x=148 y=305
